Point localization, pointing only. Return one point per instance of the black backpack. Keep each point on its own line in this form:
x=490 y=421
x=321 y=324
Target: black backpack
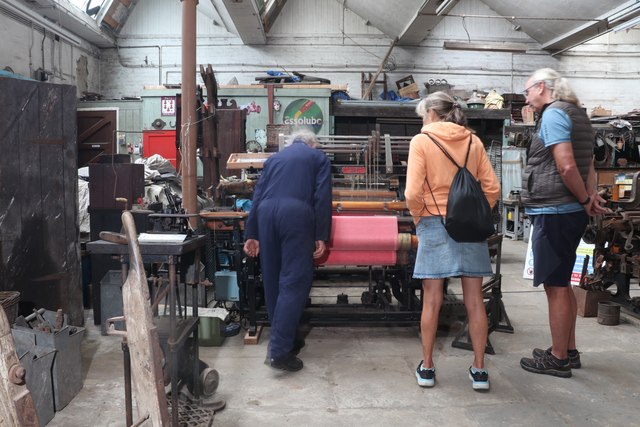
x=468 y=216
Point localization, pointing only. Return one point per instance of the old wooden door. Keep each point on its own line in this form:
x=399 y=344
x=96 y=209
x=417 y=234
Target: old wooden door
x=96 y=134
x=39 y=248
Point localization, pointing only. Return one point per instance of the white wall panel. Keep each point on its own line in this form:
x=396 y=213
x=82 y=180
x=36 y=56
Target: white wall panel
x=25 y=49
x=162 y=18
x=479 y=25
x=606 y=71
x=353 y=24
x=322 y=38
x=308 y=37
x=324 y=17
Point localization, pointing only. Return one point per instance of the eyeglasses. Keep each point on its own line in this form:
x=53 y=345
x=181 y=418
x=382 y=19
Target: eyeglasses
x=526 y=91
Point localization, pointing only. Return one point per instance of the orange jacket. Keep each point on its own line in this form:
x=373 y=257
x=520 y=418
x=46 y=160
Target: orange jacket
x=426 y=161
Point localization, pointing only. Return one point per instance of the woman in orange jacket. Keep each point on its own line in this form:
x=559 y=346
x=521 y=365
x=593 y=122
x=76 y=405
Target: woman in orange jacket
x=429 y=176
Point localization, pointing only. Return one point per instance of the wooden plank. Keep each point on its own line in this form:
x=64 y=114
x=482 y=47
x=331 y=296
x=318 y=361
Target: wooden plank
x=288 y=86
x=12 y=99
x=270 y=16
x=29 y=248
x=382 y=109
x=111 y=22
x=45 y=141
x=230 y=136
x=142 y=336
x=247 y=160
x=333 y=87
x=253 y=339
x=53 y=204
x=74 y=304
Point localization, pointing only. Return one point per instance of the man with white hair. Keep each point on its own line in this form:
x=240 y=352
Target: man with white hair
x=559 y=194
x=288 y=226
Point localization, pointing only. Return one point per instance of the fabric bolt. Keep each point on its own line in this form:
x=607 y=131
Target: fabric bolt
x=362 y=240
x=439 y=256
x=364 y=232
x=363 y=257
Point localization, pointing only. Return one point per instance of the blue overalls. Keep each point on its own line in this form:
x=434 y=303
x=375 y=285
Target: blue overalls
x=291 y=210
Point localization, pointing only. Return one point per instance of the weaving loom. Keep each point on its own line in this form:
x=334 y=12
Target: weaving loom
x=371 y=249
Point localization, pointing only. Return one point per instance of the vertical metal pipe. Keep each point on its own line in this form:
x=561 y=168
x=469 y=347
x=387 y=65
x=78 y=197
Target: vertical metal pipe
x=188 y=132
x=173 y=338
x=160 y=65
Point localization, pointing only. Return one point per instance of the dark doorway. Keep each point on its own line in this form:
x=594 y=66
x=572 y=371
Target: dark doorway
x=96 y=134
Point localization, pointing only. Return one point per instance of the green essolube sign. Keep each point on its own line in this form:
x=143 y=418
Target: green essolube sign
x=303 y=112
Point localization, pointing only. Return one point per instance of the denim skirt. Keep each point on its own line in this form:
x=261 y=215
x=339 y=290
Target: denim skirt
x=439 y=256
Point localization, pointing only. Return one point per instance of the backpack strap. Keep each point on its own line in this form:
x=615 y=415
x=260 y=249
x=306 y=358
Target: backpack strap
x=446 y=153
x=468 y=151
x=434 y=202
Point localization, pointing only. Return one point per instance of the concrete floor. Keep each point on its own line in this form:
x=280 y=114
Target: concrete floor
x=364 y=376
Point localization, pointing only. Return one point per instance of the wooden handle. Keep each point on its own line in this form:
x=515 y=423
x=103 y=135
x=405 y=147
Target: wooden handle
x=112 y=237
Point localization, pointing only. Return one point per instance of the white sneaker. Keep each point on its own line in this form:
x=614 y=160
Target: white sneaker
x=426 y=377
x=479 y=378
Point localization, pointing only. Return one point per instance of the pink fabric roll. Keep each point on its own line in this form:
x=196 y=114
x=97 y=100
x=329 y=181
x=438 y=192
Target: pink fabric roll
x=362 y=240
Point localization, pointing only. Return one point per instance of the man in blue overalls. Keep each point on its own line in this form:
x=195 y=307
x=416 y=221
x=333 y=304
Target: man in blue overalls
x=288 y=226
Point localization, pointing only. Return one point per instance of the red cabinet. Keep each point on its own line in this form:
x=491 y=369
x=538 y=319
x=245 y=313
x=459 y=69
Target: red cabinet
x=162 y=142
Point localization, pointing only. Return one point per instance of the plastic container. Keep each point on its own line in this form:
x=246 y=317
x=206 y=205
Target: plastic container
x=210 y=332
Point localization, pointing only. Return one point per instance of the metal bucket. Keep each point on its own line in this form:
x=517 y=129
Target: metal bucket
x=608 y=313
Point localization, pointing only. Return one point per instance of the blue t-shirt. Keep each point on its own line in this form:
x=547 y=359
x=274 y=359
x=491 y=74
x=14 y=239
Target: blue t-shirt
x=555 y=127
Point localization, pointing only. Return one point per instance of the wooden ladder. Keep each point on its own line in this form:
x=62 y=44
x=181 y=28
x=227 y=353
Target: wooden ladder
x=365 y=81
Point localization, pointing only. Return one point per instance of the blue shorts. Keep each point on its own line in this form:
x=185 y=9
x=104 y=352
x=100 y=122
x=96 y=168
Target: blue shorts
x=439 y=256
x=554 y=242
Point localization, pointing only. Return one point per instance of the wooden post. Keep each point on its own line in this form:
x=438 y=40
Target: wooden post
x=189 y=129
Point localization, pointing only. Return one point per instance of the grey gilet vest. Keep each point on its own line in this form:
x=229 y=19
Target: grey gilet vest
x=541 y=181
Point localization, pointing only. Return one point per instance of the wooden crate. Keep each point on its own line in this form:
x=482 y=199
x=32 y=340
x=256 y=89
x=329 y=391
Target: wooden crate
x=409 y=91
x=587 y=300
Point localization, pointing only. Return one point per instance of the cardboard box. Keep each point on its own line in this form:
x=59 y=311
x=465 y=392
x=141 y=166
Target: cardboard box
x=409 y=91
x=600 y=112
